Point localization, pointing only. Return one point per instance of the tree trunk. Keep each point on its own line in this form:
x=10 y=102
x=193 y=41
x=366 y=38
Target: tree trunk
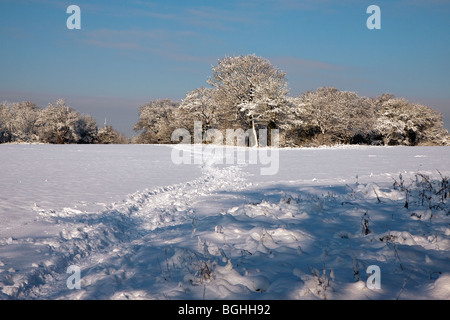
x=270 y=126
x=253 y=140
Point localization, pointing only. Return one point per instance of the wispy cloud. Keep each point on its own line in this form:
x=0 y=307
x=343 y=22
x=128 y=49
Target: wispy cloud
x=118 y=39
x=426 y=3
x=209 y=16
x=298 y=5
x=134 y=34
x=296 y=63
x=52 y=3
x=305 y=74
x=15 y=32
x=127 y=39
x=163 y=43
x=113 y=45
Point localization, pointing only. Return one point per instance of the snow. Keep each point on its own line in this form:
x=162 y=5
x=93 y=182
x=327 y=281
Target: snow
x=141 y=227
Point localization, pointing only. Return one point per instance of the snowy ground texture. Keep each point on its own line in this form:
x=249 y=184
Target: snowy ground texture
x=140 y=227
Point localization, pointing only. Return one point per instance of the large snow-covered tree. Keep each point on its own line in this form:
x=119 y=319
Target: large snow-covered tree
x=157 y=121
x=251 y=91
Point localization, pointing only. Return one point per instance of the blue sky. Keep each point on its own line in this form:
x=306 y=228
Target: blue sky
x=130 y=52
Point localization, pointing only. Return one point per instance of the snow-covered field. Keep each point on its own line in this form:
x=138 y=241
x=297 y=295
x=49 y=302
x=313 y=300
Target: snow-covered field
x=141 y=227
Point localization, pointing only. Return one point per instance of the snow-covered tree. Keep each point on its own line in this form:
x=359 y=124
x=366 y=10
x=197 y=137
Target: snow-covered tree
x=107 y=135
x=57 y=124
x=5 y=123
x=60 y=124
x=337 y=116
x=157 y=121
x=18 y=122
x=85 y=130
x=23 y=121
x=251 y=91
x=402 y=123
x=201 y=105
x=297 y=124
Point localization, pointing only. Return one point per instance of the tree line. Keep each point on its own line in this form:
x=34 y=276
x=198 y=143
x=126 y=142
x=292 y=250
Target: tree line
x=244 y=92
x=248 y=92
x=56 y=124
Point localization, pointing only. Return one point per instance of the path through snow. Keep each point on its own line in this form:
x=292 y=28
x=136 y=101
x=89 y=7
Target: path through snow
x=223 y=236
